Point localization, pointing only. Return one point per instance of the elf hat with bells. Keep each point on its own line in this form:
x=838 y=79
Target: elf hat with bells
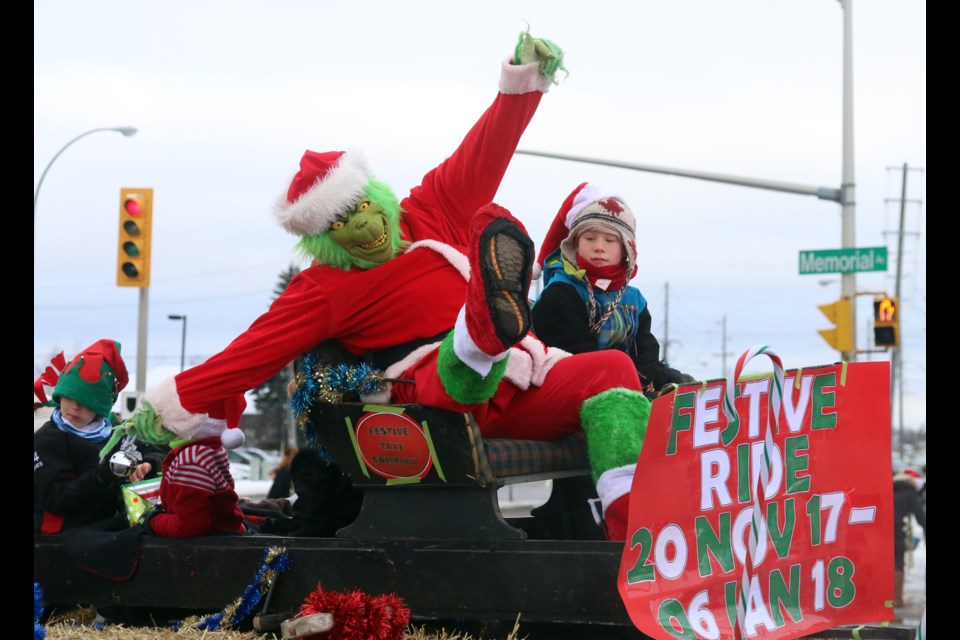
x=590 y=207
x=94 y=377
x=327 y=185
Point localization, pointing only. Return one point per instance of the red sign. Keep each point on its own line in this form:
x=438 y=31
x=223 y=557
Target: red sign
x=691 y=567
x=393 y=445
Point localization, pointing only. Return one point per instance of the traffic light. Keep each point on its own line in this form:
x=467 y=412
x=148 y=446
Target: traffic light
x=839 y=313
x=886 y=322
x=133 y=243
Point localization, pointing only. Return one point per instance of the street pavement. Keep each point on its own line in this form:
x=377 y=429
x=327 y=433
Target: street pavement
x=914 y=588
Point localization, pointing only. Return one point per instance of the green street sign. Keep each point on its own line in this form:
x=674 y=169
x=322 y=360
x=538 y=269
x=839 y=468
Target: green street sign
x=843 y=260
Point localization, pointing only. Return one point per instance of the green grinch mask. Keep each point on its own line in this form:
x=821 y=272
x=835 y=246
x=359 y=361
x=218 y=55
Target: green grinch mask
x=366 y=235
x=364 y=232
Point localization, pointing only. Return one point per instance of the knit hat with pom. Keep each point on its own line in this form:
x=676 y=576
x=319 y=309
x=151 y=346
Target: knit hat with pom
x=590 y=207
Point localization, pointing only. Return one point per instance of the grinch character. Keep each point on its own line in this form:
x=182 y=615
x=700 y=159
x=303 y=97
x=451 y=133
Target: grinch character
x=432 y=289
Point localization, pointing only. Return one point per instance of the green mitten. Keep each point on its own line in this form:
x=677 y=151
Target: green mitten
x=548 y=54
x=144 y=425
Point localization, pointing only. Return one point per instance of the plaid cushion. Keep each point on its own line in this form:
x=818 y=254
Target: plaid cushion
x=509 y=457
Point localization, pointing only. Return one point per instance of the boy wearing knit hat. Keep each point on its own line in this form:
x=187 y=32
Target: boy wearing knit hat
x=72 y=487
x=586 y=304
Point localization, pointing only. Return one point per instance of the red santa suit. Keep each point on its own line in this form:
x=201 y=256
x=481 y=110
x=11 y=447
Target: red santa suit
x=416 y=295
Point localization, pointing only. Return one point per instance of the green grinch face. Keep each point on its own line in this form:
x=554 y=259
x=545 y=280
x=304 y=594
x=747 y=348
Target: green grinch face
x=364 y=232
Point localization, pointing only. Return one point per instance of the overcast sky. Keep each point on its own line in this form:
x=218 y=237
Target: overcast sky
x=226 y=96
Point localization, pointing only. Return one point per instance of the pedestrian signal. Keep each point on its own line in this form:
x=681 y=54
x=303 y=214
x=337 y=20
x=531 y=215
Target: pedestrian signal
x=133 y=243
x=886 y=322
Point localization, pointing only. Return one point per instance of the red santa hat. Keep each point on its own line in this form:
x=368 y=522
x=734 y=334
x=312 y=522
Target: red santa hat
x=327 y=185
x=590 y=207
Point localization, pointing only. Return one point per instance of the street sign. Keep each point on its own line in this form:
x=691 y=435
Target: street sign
x=843 y=260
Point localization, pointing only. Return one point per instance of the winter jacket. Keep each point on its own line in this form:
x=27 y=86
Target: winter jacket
x=281 y=486
x=906 y=503
x=71 y=487
x=326 y=499
x=560 y=319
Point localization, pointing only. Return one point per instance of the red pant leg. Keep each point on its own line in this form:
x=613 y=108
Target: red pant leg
x=547 y=412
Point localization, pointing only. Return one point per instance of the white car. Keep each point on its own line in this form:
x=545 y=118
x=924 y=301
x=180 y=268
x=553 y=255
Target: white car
x=268 y=459
x=239 y=465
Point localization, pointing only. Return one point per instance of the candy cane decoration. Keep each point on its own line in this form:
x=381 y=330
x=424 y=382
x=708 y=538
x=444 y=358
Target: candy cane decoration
x=758 y=524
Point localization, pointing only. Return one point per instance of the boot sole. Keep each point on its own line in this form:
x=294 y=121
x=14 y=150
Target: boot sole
x=506 y=262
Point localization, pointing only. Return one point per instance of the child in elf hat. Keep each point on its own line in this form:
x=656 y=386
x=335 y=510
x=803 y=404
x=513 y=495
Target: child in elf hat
x=586 y=305
x=72 y=487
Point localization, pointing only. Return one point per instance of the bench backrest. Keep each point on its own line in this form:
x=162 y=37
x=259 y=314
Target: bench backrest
x=413 y=444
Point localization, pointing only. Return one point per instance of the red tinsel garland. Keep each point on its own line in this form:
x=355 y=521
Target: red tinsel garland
x=358 y=616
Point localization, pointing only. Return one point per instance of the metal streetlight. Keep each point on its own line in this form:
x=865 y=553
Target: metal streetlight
x=127 y=131
x=183 y=338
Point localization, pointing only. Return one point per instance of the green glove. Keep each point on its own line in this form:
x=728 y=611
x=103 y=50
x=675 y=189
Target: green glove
x=549 y=55
x=144 y=425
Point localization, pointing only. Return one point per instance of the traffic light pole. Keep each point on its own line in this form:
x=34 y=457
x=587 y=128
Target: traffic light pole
x=134 y=231
x=142 y=343
x=848 y=233
x=896 y=356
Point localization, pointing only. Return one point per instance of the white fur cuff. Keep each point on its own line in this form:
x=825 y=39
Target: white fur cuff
x=468 y=351
x=166 y=401
x=522 y=78
x=614 y=484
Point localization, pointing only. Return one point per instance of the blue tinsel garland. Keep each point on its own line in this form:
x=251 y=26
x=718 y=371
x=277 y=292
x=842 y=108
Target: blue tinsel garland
x=275 y=561
x=39 y=631
x=333 y=383
x=317 y=379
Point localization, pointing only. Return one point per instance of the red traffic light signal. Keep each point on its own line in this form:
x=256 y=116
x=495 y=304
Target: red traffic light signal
x=133 y=243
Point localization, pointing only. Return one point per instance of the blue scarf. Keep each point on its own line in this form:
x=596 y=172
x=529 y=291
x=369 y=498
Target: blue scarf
x=97 y=434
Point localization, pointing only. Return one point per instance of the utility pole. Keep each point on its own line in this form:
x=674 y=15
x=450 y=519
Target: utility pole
x=723 y=346
x=666 y=320
x=896 y=356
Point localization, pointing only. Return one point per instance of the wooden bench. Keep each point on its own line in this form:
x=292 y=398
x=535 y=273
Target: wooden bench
x=430 y=473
